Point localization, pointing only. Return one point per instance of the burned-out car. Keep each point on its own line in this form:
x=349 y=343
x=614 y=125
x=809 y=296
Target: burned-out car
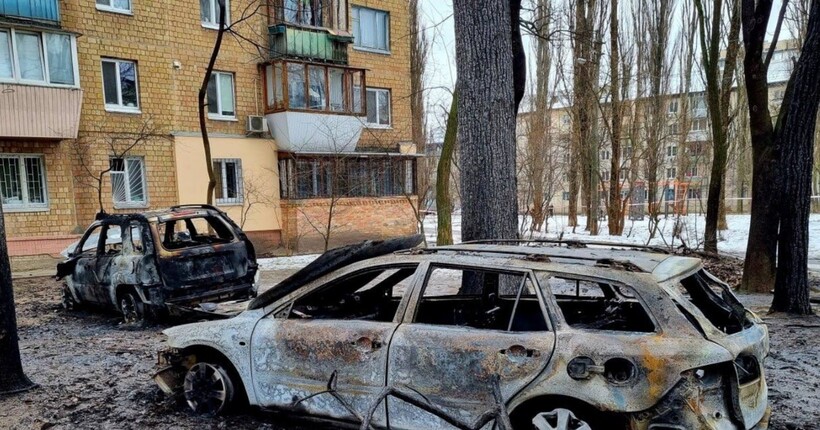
x=149 y=263
x=547 y=336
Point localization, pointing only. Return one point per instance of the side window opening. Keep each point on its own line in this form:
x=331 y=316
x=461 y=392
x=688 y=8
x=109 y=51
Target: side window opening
x=89 y=246
x=480 y=299
x=714 y=300
x=135 y=235
x=112 y=237
x=594 y=305
x=372 y=295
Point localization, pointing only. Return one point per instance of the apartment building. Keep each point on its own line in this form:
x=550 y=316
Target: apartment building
x=684 y=152
x=307 y=112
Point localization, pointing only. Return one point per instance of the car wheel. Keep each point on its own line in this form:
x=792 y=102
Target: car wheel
x=68 y=301
x=560 y=419
x=132 y=308
x=208 y=389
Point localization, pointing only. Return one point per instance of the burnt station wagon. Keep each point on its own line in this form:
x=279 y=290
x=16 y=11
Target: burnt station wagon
x=583 y=337
x=149 y=263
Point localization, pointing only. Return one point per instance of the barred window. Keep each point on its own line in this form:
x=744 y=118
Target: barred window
x=228 y=173
x=128 y=181
x=23 y=182
x=346 y=176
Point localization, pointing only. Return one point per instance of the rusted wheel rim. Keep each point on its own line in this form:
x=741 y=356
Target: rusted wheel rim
x=559 y=419
x=208 y=389
x=128 y=307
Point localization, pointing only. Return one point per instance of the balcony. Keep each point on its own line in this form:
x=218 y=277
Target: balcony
x=39 y=112
x=47 y=11
x=310 y=44
x=314 y=107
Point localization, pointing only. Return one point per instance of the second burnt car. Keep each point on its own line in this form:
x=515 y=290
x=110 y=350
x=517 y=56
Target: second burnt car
x=149 y=263
x=583 y=337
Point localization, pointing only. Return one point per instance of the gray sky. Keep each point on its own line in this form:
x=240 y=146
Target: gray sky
x=441 y=69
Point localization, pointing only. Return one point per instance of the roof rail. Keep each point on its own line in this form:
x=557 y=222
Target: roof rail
x=568 y=242
x=196 y=206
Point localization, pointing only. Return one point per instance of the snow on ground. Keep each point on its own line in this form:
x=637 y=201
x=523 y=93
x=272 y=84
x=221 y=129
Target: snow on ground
x=294 y=262
x=731 y=241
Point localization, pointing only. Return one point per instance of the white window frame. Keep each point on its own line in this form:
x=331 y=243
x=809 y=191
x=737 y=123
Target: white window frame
x=673 y=106
x=389 y=109
x=240 y=184
x=111 y=8
x=129 y=202
x=27 y=206
x=671 y=173
x=46 y=82
x=355 y=14
x=213 y=23
x=219 y=116
x=119 y=107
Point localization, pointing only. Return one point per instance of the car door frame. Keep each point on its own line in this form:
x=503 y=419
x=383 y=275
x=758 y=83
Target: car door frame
x=276 y=315
x=84 y=275
x=420 y=282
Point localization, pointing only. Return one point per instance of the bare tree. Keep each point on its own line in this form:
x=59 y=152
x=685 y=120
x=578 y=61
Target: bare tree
x=117 y=146
x=12 y=377
x=719 y=81
x=444 y=201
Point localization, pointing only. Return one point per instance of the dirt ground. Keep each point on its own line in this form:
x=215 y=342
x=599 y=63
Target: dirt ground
x=93 y=373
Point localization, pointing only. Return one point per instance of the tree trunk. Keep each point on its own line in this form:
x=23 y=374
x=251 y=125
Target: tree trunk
x=519 y=56
x=444 y=204
x=203 y=94
x=795 y=139
x=615 y=218
x=486 y=119
x=12 y=378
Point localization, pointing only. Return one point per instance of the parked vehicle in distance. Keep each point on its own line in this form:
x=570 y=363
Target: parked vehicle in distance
x=153 y=262
x=566 y=337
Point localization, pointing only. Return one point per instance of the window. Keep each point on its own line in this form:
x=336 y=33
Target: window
x=699 y=124
x=23 y=182
x=194 y=231
x=378 y=107
x=565 y=119
x=120 y=87
x=623 y=174
x=369 y=295
x=481 y=299
x=669 y=194
x=693 y=193
x=120 y=6
x=628 y=152
x=352 y=176
x=673 y=106
x=672 y=129
x=229 y=187
x=371 y=29
x=38 y=58
x=221 y=96
x=692 y=171
x=128 y=181
x=671 y=173
x=317 y=88
x=605 y=154
x=596 y=305
x=565 y=196
x=209 y=13
x=671 y=151
x=604 y=175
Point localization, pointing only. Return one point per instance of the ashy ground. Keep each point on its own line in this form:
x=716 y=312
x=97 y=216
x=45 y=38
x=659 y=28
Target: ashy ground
x=94 y=374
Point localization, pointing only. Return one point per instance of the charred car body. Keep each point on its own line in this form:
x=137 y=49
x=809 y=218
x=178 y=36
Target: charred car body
x=149 y=263
x=568 y=338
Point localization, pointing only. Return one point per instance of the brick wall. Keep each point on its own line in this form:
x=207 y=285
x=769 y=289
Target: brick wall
x=60 y=217
x=353 y=220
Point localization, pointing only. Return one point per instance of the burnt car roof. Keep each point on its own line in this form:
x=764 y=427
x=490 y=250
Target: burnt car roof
x=174 y=212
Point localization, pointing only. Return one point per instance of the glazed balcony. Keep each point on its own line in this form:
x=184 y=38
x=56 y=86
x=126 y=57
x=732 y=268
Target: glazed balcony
x=309 y=44
x=46 y=11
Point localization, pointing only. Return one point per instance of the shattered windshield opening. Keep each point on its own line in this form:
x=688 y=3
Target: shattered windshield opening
x=193 y=231
x=714 y=299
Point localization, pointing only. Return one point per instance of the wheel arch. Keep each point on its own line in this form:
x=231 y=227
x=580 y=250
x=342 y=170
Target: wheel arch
x=522 y=413
x=212 y=354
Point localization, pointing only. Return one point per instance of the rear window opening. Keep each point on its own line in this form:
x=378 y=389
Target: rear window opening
x=717 y=303
x=194 y=231
x=595 y=305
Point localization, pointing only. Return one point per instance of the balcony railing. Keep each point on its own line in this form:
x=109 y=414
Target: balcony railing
x=36 y=10
x=28 y=111
x=311 y=44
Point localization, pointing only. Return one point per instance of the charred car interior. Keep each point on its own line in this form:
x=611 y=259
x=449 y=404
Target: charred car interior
x=150 y=264
x=505 y=336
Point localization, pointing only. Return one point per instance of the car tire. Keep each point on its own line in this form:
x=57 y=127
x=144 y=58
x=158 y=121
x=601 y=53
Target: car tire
x=68 y=302
x=209 y=389
x=132 y=309
x=563 y=419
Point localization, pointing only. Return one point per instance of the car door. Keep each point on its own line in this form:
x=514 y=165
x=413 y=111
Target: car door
x=106 y=272
x=335 y=333
x=453 y=342
x=84 y=260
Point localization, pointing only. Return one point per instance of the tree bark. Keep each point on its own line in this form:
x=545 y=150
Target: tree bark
x=615 y=218
x=12 y=378
x=486 y=119
x=444 y=204
x=203 y=94
x=519 y=55
x=795 y=140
